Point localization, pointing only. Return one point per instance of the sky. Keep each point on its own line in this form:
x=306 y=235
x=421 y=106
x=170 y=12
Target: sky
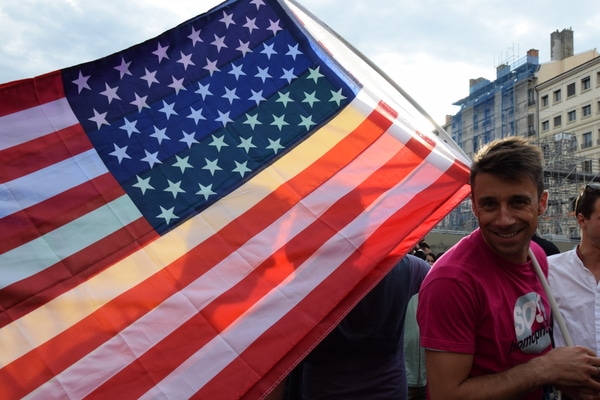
x=430 y=48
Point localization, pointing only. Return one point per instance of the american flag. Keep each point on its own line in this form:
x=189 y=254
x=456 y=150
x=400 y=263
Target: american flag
x=189 y=216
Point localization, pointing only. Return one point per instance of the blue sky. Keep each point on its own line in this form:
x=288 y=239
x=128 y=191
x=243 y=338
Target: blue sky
x=431 y=48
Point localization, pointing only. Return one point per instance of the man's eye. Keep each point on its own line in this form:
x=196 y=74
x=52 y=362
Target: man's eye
x=520 y=202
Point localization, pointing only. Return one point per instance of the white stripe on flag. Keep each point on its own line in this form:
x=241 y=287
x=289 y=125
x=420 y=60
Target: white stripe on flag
x=35 y=122
x=46 y=250
x=45 y=183
x=123 y=349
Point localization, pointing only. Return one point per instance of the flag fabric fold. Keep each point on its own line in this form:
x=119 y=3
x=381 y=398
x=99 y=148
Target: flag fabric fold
x=191 y=215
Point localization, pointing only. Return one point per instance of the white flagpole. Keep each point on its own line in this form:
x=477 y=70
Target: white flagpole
x=555 y=311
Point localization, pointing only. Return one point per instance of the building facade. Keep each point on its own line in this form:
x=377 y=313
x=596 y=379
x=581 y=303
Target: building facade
x=569 y=135
x=499 y=108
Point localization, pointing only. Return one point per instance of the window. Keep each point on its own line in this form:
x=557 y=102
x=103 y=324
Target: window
x=557 y=121
x=587 y=166
x=530 y=97
x=586 y=140
x=487 y=117
x=586 y=83
x=571 y=89
x=586 y=110
x=545 y=125
x=545 y=101
x=557 y=96
x=572 y=115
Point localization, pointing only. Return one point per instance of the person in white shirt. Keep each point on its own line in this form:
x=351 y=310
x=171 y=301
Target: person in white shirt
x=574 y=276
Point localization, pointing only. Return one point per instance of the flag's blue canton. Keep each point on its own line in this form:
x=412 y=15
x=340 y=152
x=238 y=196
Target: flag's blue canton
x=186 y=118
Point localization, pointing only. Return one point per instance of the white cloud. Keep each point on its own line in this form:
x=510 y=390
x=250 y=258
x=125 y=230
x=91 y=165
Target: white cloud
x=429 y=47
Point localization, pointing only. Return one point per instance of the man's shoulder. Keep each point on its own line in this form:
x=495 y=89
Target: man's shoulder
x=459 y=269
x=415 y=263
x=561 y=257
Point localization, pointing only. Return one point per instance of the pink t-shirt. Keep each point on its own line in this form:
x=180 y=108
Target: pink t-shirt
x=476 y=303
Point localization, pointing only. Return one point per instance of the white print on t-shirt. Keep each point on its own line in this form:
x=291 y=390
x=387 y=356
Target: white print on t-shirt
x=531 y=324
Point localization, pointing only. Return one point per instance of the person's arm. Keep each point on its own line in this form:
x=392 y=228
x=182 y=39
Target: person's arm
x=419 y=269
x=572 y=367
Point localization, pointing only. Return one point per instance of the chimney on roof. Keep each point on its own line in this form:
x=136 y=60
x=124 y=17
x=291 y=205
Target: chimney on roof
x=561 y=44
x=502 y=70
x=475 y=82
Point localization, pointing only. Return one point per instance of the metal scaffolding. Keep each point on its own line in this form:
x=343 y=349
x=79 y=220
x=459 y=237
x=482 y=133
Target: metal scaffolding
x=564 y=176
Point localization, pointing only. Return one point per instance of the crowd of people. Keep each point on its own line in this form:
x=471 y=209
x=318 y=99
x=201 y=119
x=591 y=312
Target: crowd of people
x=476 y=321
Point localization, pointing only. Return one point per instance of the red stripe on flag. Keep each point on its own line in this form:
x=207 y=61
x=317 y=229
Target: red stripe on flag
x=57 y=211
x=78 y=340
x=28 y=294
x=27 y=93
x=42 y=152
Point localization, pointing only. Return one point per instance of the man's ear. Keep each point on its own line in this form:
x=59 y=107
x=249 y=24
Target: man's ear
x=543 y=203
x=580 y=220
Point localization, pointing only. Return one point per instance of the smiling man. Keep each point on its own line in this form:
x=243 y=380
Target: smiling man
x=484 y=318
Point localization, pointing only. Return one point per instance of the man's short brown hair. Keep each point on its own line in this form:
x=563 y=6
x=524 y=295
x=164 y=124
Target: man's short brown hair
x=512 y=158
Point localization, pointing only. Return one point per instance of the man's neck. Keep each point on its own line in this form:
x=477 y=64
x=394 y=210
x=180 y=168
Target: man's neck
x=590 y=256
